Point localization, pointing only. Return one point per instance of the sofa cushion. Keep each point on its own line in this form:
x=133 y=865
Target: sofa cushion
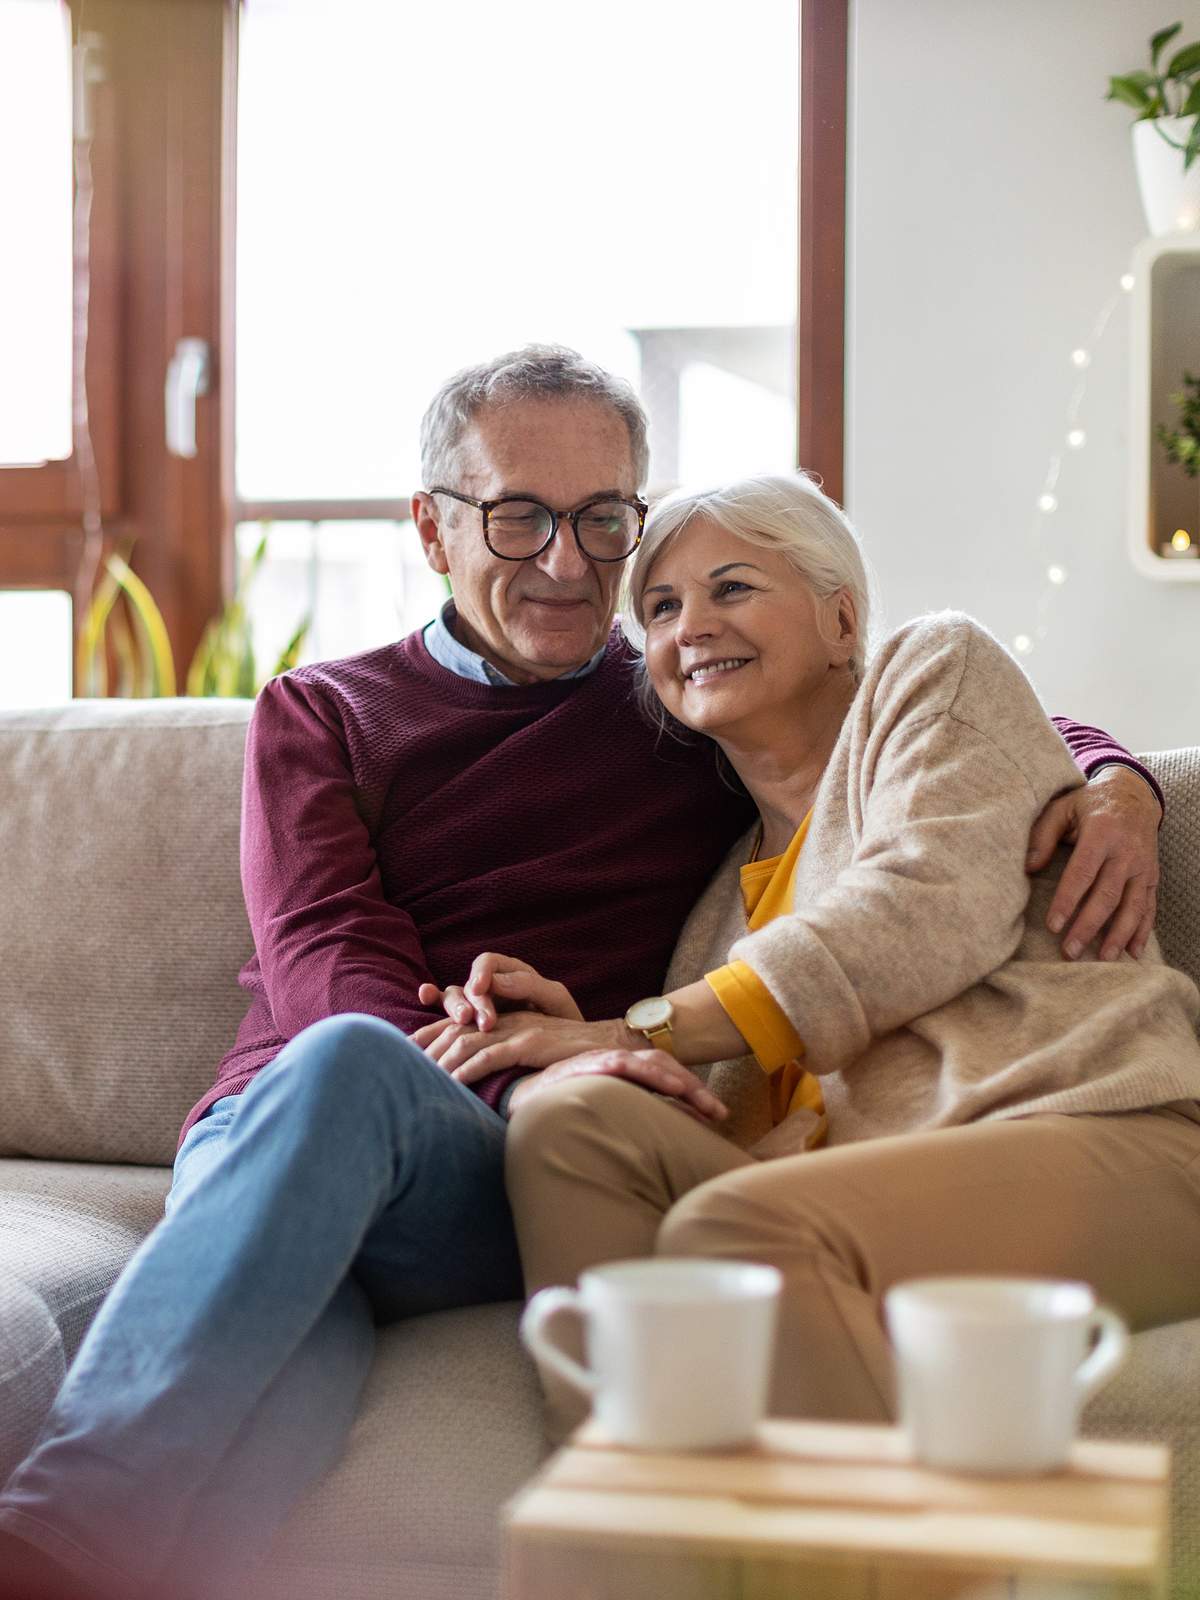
x=66 y=1230
x=1156 y=1396
x=449 y=1429
x=122 y=926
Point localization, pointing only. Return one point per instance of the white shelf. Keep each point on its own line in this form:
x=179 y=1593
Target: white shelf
x=1165 y=342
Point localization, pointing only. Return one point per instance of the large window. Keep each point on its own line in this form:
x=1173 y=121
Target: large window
x=420 y=187
x=414 y=188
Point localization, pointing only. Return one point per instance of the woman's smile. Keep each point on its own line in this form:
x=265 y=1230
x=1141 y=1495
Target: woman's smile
x=706 y=672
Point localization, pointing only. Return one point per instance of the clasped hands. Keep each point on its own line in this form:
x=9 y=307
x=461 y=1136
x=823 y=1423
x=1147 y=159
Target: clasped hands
x=507 y=1015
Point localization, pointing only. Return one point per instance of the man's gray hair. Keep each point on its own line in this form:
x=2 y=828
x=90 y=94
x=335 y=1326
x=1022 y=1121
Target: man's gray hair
x=535 y=372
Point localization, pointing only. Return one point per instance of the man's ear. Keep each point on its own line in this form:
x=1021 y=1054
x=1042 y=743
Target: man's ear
x=427 y=521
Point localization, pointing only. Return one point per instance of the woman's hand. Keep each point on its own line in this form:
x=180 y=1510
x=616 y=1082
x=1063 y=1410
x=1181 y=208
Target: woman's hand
x=516 y=1039
x=652 y=1069
x=498 y=982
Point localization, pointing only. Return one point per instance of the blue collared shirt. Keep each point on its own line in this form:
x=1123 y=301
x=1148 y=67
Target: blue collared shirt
x=455 y=657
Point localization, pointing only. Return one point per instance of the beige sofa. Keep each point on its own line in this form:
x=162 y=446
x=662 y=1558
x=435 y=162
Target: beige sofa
x=121 y=932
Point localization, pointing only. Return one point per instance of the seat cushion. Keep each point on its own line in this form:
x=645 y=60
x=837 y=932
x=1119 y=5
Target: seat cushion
x=449 y=1429
x=1156 y=1396
x=66 y=1230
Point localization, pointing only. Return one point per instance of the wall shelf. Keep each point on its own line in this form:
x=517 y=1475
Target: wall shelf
x=1165 y=342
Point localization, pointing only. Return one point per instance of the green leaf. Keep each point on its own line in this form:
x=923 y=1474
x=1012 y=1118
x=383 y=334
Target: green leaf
x=1192 y=148
x=1185 y=63
x=1162 y=37
x=199 y=673
x=1192 y=103
x=152 y=630
x=91 y=659
x=1129 y=94
x=128 y=685
x=290 y=653
x=244 y=680
x=1143 y=79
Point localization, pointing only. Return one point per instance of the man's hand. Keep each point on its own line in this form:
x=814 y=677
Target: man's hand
x=653 y=1069
x=1111 y=879
x=517 y=1039
x=494 y=983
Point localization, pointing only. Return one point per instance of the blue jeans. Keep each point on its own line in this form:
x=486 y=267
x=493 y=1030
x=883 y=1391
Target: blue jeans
x=353 y=1183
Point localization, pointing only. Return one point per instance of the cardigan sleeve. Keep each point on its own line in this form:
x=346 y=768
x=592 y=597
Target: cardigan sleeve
x=328 y=940
x=933 y=896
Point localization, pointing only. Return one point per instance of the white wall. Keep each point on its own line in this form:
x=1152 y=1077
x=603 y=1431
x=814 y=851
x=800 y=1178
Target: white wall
x=992 y=212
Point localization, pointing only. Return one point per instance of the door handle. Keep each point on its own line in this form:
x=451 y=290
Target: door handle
x=187 y=377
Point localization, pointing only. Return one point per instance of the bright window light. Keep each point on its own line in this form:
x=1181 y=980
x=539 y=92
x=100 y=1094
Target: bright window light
x=421 y=187
x=35 y=205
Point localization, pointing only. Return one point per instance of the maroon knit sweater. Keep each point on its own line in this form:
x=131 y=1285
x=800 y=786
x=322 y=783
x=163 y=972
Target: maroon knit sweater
x=398 y=819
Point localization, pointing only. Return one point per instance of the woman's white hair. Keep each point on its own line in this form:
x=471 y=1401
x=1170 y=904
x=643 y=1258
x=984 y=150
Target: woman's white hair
x=788 y=512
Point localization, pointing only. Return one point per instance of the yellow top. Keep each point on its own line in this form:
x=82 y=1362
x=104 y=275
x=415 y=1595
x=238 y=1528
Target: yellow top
x=768 y=890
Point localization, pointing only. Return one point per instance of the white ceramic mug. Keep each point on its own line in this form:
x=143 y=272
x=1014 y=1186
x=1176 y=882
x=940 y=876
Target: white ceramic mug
x=679 y=1351
x=993 y=1372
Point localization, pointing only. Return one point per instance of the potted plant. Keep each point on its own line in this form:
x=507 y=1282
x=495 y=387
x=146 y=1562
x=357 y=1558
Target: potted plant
x=1182 y=446
x=1166 y=131
x=124 y=627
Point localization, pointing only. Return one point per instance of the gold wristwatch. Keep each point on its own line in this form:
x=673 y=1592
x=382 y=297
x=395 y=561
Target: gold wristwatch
x=655 y=1018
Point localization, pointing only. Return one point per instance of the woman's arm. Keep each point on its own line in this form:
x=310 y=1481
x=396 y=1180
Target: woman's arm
x=950 y=762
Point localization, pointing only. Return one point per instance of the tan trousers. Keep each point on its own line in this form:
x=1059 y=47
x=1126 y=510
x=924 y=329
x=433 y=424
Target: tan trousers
x=600 y=1170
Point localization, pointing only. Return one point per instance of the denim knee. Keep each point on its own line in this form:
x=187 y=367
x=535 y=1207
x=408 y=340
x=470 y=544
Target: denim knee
x=355 y=1059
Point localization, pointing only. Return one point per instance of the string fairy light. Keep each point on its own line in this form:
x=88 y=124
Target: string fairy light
x=1042 y=531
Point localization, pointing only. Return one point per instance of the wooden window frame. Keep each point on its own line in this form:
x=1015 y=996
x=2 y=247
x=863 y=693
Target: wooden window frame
x=821 y=253
x=161 y=270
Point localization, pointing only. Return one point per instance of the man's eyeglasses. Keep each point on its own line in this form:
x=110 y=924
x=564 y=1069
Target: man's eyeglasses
x=606 y=529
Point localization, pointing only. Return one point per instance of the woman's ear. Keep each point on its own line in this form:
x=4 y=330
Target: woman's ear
x=843 y=619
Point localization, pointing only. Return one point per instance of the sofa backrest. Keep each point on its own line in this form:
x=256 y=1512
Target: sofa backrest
x=1178 y=771
x=122 y=927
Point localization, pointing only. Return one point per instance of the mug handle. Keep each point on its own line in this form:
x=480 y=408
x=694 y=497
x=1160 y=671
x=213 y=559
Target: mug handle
x=1108 y=1355
x=545 y=1304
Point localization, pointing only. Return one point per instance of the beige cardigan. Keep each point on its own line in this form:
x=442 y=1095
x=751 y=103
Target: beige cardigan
x=917 y=966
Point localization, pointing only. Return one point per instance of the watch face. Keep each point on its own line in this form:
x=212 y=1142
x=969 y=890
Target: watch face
x=653 y=1013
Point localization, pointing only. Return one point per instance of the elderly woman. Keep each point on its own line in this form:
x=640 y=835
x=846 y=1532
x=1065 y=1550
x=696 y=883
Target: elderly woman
x=941 y=1090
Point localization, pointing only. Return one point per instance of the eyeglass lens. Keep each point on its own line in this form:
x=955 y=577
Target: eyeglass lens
x=607 y=530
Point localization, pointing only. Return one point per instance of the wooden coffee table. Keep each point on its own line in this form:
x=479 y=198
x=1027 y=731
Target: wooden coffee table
x=830 y=1511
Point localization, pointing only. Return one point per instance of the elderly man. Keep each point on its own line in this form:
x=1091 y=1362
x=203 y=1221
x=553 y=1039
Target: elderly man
x=484 y=783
